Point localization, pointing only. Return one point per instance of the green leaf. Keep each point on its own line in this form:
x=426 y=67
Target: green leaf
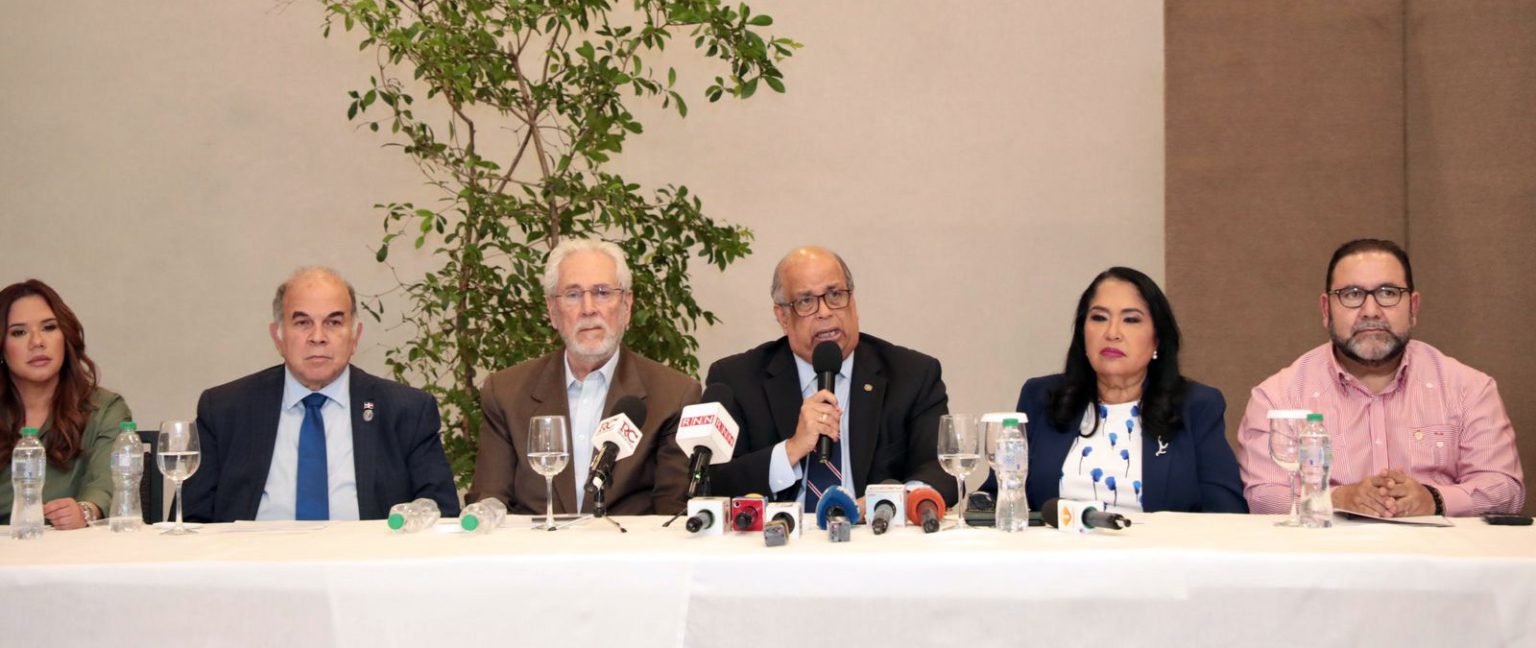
x=760 y=21
x=777 y=85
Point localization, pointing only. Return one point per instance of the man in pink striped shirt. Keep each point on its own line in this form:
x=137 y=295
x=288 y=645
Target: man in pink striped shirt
x=1414 y=431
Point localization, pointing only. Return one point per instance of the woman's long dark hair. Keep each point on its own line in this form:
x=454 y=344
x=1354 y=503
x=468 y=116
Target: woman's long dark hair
x=1162 y=396
x=71 y=406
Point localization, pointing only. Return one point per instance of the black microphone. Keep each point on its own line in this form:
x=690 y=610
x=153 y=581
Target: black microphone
x=615 y=439
x=1068 y=515
x=826 y=360
x=880 y=520
x=709 y=432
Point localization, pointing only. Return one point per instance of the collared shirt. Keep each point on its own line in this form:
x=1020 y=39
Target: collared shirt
x=781 y=473
x=585 y=399
x=278 y=500
x=1439 y=421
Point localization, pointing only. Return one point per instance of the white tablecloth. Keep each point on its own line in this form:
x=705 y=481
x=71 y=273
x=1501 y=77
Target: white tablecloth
x=1172 y=579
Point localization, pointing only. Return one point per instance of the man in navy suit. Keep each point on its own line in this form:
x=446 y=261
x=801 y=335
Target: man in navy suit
x=883 y=414
x=316 y=438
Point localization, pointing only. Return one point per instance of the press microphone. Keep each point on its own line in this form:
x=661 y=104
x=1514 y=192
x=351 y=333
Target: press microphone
x=707 y=433
x=1080 y=517
x=747 y=513
x=783 y=523
x=837 y=512
x=616 y=438
x=924 y=506
x=706 y=516
x=826 y=360
x=887 y=505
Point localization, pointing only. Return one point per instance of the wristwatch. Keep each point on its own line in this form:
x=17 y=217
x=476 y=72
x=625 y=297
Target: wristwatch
x=1434 y=494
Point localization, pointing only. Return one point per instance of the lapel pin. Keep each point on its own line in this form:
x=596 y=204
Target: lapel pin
x=868 y=387
x=368 y=412
x=1162 y=447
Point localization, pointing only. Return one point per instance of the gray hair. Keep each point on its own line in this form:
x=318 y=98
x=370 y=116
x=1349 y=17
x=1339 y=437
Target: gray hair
x=776 y=289
x=569 y=246
x=282 y=289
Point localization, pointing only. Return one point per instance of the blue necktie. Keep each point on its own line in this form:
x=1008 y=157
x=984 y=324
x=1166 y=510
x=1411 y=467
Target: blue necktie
x=314 y=498
x=821 y=474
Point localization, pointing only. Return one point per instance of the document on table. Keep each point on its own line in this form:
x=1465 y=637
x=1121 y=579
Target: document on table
x=1420 y=520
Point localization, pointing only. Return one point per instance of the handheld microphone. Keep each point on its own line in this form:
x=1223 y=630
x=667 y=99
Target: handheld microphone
x=706 y=516
x=837 y=512
x=1080 y=517
x=616 y=438
x=707 y=433
x=783 y=523
x=924 y=506
x=887 y=504
x=747 y=512
x=826 y=360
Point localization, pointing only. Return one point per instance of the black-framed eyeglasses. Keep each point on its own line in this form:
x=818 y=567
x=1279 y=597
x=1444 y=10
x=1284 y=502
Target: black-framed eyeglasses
x=1354 y=296
x=601 y=295
x=807 y=305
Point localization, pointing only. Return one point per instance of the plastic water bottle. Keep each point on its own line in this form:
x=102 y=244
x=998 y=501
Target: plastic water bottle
x=127 y=471
x=1315 y=454
x=483 y=516
x=410 y=517
x=28 y=469
x=1012 y=465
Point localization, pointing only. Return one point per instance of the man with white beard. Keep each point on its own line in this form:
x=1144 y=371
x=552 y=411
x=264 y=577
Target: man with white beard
x=1414 y=431
x=587 y=289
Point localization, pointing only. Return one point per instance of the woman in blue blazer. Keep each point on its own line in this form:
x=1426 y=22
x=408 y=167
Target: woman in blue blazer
x=1120 y=425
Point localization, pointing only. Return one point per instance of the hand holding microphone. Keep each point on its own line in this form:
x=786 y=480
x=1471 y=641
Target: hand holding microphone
x=826 y=360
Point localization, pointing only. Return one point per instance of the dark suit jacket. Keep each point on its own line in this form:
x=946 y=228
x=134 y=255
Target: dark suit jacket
x=398 y=455
x=896 y=397
x=654 y=480
x=1197 y=472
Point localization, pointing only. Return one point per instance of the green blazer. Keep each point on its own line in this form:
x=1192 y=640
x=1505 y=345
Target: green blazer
x=89 y=478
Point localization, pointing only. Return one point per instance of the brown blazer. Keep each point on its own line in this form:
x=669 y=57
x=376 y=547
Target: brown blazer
x=654 y=481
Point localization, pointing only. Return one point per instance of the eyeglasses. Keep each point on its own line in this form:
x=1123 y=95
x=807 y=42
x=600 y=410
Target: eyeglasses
x=601 y=295
x=1354 y=297
x=807 y=305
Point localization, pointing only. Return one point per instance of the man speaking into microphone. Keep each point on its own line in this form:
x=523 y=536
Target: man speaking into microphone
x=873 y=407
x=587 y=287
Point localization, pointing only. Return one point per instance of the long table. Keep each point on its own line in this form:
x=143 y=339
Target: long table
x=1172 y=579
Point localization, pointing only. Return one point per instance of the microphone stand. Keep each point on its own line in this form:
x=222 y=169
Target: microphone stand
x=600 y=509
x=699 y=488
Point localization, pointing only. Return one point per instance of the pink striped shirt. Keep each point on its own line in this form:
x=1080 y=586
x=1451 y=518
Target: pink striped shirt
x=1440 y=421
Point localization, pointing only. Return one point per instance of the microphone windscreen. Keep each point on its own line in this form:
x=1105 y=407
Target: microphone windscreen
x=718 y=393
x=1048 y=513
x=827 y=357
x=836 y=498
x=632 y=407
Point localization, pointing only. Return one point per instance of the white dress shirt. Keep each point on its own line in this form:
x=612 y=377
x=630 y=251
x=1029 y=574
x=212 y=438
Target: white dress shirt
x=279 y=499
x=585 y=399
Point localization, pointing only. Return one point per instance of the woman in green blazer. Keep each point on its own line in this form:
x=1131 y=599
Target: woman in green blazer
x=50 y=384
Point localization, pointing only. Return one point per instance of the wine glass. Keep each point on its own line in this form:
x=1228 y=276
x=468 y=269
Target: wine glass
x=1284 y=447
x=548 y=452
x=959 y=452
x=178 y=457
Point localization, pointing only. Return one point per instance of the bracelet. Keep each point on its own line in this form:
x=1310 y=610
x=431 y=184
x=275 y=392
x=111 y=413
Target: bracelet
x=1434 y=493
x=87 y=511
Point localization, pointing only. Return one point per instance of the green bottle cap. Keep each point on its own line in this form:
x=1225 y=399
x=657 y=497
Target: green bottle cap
x=396 y=521
x=29 y=432
x=1315 y=416
x=469 y=522
x=1011 y=422
x=128 y=425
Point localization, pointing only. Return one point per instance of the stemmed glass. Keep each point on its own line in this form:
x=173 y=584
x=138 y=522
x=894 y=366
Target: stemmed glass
x=548 y=452
x=178 y=457
x=959 y=452
x=1284 y=447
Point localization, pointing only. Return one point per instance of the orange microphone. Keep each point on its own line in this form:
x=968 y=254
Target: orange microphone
x=924 y=506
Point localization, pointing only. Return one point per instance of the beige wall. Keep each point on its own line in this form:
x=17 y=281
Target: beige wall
x=166 y=163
